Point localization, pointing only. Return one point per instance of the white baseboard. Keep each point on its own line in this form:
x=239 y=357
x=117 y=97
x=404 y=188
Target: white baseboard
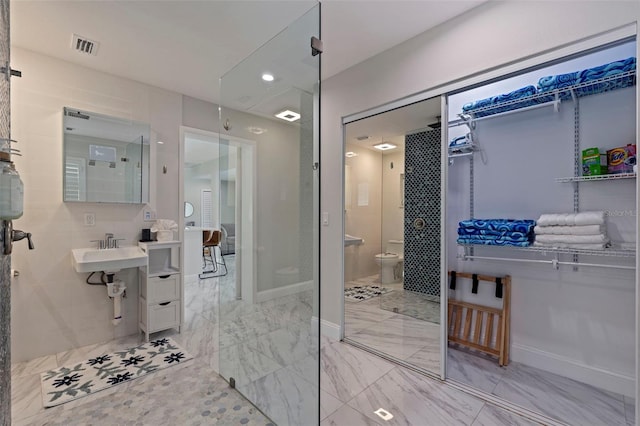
x=286 y=290
x=603 y=379
x=328 y=329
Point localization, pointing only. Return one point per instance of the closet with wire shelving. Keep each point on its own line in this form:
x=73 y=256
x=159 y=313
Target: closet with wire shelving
x=573 y=305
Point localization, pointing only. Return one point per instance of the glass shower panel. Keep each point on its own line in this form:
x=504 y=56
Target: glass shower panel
x=269 y=327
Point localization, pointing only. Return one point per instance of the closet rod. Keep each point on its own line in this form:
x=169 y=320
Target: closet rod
x=553 y=262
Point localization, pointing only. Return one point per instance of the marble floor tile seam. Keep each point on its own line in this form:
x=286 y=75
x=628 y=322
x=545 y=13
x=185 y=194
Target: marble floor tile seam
x=34 y=366
x=354 y=406
x=461 y=402
x=567 y=382
x=351 y=355
x=380 y=348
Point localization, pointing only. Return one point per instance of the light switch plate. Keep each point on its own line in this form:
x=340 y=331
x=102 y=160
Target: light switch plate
x=149 y=215
x=325 y=218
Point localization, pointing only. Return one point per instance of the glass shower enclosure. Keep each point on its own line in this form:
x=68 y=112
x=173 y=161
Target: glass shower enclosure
x=269 y=314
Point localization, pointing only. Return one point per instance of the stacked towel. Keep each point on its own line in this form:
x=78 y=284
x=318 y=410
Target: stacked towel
x=572 y=219
x=560 y=81
x=496 y=232
x=521 y=93
x=549 y=84
x=584 y=230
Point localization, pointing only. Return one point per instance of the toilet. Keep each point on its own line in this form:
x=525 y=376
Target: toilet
x=387 y=261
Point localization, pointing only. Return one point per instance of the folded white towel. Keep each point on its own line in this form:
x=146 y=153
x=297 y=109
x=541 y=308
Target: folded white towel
x=572 y=219
x=572 y=239
x=573 y=246
x=570 y=230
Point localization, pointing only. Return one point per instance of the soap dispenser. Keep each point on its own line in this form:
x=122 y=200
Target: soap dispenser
x=11 y=187
x=11 y=199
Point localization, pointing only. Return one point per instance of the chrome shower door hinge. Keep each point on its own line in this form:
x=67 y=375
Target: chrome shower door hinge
x=316 y=46
x=8 y=72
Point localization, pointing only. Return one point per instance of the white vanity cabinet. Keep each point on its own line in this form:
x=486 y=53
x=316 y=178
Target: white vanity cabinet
x=161 y=292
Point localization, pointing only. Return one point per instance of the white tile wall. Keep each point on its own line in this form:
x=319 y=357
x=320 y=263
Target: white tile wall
x=53 y=309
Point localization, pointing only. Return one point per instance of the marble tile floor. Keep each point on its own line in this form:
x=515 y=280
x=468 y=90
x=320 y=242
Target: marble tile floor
x=553 y=395
x=417 y=342
x=253 y=343
x=354 y=384
x=276 y=367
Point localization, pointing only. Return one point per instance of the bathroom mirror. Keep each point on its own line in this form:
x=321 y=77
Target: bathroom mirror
x=188 y=209
x=106 y=159
x=392 y=269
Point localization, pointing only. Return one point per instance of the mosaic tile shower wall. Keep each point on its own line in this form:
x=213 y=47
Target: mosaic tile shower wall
x=422 y=201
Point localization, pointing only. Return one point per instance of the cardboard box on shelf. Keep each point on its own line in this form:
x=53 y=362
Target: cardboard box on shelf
x=622 y=159
x=593 y=162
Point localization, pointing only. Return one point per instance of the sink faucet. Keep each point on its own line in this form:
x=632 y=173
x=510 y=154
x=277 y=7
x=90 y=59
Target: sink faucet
x=108 y=242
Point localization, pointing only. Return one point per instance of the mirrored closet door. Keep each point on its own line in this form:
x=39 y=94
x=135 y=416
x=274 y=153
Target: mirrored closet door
x=393 y=219
x=541 y=212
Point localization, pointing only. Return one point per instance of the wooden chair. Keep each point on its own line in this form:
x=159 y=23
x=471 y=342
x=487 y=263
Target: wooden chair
x=211 y=240
x=463 y=317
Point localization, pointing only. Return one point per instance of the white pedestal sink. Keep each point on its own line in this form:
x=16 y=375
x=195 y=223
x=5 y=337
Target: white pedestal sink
x=112 y=260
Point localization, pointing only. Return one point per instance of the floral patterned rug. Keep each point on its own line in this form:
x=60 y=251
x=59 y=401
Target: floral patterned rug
x=87 y=377
x=363 y=292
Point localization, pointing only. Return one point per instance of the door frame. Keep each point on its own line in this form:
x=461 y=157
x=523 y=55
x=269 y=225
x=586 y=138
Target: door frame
x=246 y=194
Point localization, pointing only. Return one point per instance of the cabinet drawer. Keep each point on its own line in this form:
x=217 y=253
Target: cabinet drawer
x=162 y=289
x=164 y=316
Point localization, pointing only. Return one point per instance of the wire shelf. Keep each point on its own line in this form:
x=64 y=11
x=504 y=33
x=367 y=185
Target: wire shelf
x=550 y=97
x=461 y=150
x=608 y=252
x=599 y=177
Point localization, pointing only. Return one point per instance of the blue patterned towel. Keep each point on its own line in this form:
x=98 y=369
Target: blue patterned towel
x=503 y=225
x=497 y=100
x=560 y=81
x=488 y=242
x=463 y=232
x=497 y=238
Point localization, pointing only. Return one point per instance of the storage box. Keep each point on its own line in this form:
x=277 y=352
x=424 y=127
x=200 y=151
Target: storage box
x=593 y=162
x=622 y=159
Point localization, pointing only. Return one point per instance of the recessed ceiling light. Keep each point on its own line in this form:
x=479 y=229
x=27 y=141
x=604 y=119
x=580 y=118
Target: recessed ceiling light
x=288 y=115
x=160 y=142
x=384 y=146
x=350 y=154
x=267 y=77
x=257 y=130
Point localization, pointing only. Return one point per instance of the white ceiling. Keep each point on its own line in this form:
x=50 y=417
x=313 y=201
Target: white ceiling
x=392 y=126
x=186 y=46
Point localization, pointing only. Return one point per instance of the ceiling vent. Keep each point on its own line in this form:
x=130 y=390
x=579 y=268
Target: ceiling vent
x=363 y=137
x=84 y=45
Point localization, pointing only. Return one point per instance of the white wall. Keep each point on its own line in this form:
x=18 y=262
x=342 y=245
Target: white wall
x=199 y=177
x=586 y=317
x=364 y=221
x=392 y=197
x=52 y=307
x=499 y=34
